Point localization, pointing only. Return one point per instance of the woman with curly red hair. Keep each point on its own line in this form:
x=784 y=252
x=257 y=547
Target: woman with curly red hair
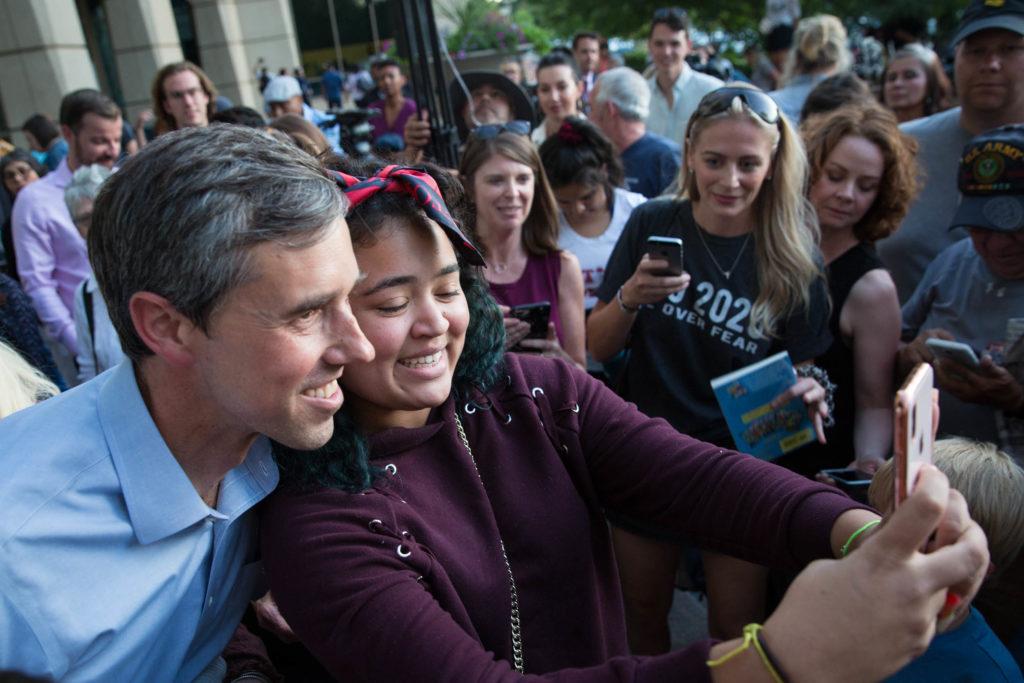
x=863 y=177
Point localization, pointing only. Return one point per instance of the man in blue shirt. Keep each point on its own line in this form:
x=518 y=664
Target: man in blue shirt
x=332 y=82
x=619 y=105
x=128 y=541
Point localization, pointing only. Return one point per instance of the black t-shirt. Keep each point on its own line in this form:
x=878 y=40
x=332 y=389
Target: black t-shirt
x=680 y=344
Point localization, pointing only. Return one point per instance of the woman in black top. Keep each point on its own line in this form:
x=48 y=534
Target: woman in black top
x=863 y=177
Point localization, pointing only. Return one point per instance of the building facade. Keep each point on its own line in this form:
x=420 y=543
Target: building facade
x=51 y=47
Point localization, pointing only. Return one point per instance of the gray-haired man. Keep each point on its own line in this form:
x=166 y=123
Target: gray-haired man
x=129 y=544
x=619 y=105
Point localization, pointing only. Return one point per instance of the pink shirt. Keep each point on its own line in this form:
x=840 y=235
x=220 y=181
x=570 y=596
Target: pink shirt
x=51 y=254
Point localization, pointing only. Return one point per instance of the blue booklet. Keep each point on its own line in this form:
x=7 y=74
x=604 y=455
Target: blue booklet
x=745 y=397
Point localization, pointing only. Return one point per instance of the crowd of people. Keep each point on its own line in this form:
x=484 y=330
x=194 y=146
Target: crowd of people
x=275 y=408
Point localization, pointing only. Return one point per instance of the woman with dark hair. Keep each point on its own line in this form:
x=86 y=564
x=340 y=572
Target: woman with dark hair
x=593 y=206
x=559 y=89
x=834 y=92
x=863 y=178
x=17 y=169
x=914 y=84
x=44 y=137
x=453 y=527
x=516 y=221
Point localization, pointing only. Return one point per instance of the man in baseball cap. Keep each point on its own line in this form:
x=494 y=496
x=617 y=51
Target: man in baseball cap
x=973 y=293
x=989 y=76
x=283 y=95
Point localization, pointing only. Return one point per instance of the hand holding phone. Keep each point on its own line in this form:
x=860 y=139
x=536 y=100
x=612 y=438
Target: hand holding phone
x=953 y=350
x=914 y=429
x=536 y=315
x=669 y=249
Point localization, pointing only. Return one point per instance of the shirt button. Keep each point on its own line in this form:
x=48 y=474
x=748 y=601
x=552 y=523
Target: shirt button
x=209 y=601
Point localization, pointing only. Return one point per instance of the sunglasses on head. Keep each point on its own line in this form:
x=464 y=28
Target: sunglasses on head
x=669 y=13
x=493 y=130
x=717 y=101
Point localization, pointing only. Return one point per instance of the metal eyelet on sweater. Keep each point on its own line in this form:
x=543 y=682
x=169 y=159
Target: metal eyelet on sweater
x=403 y=551
x=376 y=526
x=391 y=469
x=508 y=418
x=575 y=407
x=405 y=534
x=469 y=409
x=535 y=391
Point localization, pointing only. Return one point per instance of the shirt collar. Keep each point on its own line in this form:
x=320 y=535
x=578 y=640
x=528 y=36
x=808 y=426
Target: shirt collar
x=159 y=496
x=684 y=77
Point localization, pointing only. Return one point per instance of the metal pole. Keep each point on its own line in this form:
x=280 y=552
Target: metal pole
x=334 y=35
x=373 y=26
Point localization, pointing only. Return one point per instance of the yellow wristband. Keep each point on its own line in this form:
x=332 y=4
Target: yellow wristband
x=750 y=638
x=846 y=546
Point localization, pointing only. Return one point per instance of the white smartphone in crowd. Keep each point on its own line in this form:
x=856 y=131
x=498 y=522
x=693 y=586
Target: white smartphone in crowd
x=913 y=433
x=953 y=350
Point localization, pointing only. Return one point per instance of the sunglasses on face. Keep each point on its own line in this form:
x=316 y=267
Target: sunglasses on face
x=717 y=101
x=493 y=130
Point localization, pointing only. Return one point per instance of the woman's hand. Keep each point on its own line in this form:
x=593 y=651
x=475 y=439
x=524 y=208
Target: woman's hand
x=813 y=395
x=648 y=284
x=549 y=347
x=515 y=329
x=864 y=617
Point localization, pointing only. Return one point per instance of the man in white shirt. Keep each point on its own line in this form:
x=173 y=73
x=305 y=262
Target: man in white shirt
x=676 y=89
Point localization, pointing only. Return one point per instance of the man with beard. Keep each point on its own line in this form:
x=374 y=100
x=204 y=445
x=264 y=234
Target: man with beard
x=51 y=253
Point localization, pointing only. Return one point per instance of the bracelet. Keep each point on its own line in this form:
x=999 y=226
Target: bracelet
x=751 y=637
x=845 y=550
x=821 y=377
x=623 y=305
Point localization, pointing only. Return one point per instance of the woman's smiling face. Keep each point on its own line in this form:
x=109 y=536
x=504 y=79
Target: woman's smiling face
x=413 y=311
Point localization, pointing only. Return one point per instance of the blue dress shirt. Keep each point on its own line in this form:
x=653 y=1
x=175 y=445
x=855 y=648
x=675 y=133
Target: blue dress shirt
x=112 y=568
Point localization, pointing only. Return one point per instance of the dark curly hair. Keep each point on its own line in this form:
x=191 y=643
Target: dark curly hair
x=900 y=176
x=344 y=462
x=579 y=153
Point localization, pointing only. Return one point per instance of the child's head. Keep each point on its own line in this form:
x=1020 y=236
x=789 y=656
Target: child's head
x=989 y=480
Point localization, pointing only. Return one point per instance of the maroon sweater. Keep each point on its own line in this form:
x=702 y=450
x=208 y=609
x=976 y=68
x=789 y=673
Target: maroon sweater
x=406 y=581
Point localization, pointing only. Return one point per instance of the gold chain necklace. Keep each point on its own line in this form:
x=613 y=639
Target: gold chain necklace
x=518 y=659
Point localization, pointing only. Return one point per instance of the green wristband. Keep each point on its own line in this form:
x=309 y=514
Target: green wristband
x=853 y=537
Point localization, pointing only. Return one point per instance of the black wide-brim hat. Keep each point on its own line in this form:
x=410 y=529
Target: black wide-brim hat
x=991 y=181
x=518 y=100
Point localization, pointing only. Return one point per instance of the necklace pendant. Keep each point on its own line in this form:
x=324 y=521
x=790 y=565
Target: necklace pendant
x=726 y=273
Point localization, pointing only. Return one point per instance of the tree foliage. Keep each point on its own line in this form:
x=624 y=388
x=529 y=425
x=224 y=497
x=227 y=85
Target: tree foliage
x=737 y=18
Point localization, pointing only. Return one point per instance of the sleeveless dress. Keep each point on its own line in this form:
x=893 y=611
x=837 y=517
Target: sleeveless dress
x=539 y=282
x=843 y=273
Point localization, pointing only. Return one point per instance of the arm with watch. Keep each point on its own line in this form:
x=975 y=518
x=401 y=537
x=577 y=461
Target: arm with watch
x=609 y=323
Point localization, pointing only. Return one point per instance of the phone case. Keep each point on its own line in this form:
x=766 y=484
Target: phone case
x=913 y=434
x=667 y=249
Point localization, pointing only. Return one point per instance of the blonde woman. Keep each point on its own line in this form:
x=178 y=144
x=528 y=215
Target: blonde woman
x=819 y=51
x=752 y=286
x=21 y=385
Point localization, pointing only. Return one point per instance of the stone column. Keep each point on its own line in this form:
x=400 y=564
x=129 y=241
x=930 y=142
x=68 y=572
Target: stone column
x=233 y=34
x=43 y=56
x=144 y=38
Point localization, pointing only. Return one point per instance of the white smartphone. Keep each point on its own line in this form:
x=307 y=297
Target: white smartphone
x=913 y=433
x=953 y=350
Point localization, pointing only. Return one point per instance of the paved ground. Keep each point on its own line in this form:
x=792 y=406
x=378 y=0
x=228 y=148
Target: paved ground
x=688 y=620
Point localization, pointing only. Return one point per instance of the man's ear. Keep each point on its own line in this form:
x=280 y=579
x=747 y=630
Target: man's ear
x=66 y=132
x=162 y=328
